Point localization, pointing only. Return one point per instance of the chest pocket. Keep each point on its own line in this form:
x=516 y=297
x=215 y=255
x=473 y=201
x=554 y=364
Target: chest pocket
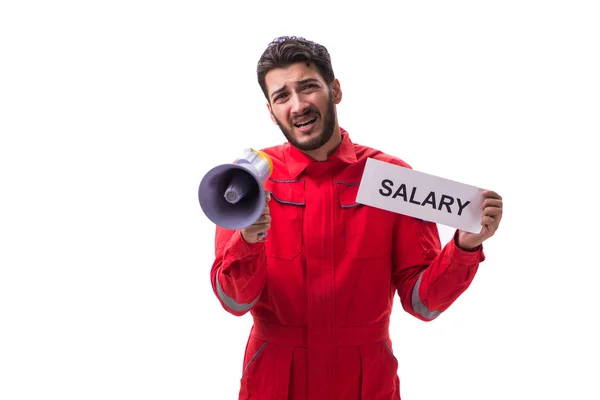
x=287 y=217
x=367 y=230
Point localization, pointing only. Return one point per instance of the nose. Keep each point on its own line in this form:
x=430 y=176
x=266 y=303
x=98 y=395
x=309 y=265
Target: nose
x=299 y=105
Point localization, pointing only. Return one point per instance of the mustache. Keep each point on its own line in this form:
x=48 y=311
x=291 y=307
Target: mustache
x=309 y=110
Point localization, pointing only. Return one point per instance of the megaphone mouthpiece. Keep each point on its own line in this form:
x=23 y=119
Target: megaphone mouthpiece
x=238 y=188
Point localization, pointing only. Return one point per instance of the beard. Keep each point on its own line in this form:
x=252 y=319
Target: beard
x=319 y=140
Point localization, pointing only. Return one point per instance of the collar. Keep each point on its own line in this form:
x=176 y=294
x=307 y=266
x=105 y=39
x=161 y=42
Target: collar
x=297 y=161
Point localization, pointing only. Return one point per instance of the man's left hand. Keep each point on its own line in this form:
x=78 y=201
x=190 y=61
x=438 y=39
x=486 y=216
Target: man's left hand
x=490 y=220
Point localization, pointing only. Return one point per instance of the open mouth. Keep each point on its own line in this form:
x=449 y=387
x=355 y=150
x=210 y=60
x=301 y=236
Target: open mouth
x=305 y=124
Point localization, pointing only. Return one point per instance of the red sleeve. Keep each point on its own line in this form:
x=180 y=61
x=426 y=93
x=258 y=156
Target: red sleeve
x=239 y=272
x=430 y=278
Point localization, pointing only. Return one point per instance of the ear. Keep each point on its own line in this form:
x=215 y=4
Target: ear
x=271 y=113
x=337 y=91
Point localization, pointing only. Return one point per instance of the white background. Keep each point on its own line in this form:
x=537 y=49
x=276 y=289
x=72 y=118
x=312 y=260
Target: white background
x=106 y=113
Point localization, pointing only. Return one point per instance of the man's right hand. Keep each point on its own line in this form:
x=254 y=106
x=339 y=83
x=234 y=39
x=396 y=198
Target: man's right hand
x=257 y=231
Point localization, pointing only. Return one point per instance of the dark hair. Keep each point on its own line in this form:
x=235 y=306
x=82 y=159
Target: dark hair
x=287 y=50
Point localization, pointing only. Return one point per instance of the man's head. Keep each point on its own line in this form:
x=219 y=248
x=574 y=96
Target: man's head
x=298 y=82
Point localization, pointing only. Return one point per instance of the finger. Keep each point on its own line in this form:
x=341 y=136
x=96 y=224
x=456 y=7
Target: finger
x=490 y=202
x=262 y=227
x=267 y=196
x=491 y=194
x=490 y=222
x=492 y=211
x=263 y=218
x=266 y=210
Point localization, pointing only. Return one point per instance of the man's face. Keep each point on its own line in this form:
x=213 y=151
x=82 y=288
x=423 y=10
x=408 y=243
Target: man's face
x=301 y=103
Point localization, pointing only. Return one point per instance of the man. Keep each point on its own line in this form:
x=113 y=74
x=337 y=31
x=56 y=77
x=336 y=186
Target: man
x=321 y=287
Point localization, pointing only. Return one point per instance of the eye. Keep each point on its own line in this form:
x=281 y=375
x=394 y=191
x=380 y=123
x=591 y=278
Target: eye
x=309 y=86
x=280 y=97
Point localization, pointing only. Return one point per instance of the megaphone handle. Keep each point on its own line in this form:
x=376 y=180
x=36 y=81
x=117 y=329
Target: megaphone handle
x=262 y=236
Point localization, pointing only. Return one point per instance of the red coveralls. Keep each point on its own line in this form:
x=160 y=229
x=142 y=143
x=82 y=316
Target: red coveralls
x=321 y=289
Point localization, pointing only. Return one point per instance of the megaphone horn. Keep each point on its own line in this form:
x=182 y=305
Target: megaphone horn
x=232 y=195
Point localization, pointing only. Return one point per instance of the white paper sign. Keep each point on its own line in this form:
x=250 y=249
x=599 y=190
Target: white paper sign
x=417 y=194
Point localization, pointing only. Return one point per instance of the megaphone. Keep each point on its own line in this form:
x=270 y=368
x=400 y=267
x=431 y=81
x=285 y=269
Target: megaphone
x=232 y=195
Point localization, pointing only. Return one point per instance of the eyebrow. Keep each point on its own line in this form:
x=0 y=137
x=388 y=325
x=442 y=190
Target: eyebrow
x=300 y=82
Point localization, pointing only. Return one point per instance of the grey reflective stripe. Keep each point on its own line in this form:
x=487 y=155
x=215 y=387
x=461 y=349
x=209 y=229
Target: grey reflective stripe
x=390 y=350
x=253 y=357
x=346 y=183
x=229 y=302
x=420 y=307
x=286 y=181
x=287 y=202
